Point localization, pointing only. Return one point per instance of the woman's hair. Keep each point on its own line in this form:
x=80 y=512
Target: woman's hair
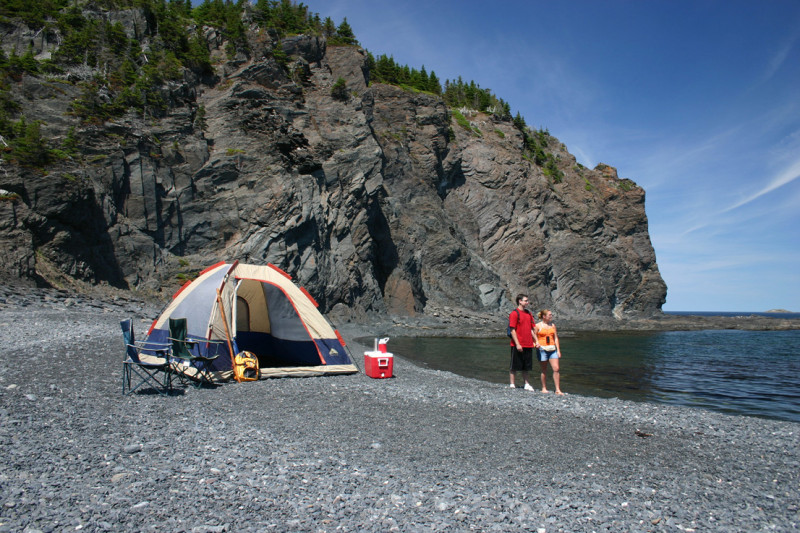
x=542 y=313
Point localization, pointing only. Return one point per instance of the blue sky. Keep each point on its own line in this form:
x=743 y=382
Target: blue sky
x=696 y=101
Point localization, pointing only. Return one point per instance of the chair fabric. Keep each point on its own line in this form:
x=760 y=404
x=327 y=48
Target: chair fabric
x=145 y=363
x=185 y=355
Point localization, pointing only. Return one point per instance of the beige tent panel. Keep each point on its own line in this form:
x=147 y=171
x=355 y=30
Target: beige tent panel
x=317 y=326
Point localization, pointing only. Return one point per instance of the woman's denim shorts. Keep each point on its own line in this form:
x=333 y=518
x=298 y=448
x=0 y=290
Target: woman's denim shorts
x=546 y=356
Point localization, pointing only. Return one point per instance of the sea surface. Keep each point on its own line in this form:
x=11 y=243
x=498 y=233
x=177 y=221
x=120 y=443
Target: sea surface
x=753 y=373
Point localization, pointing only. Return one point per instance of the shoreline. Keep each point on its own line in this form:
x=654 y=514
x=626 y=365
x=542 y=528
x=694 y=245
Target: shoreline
x=447 y=322
x=426 y=450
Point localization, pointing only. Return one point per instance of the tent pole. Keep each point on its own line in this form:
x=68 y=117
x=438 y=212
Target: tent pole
x=227 y=332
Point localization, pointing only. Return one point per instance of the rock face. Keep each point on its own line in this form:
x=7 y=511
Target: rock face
x=380 y=203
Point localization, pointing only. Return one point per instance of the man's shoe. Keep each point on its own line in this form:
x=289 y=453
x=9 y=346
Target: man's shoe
x=528 y=386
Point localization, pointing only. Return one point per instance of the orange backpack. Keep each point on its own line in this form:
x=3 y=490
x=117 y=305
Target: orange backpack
x=245 y=367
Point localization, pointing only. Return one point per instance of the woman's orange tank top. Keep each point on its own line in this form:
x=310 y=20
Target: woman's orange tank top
x=546 y=335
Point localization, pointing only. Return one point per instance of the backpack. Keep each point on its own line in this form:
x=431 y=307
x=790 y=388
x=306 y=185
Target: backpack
x=508 y=328
x=245 y=367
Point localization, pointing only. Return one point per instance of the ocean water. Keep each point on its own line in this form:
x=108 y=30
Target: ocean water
x=753 y=373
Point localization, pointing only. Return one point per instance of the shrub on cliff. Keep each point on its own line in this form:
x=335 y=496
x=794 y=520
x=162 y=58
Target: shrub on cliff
x=339 y=90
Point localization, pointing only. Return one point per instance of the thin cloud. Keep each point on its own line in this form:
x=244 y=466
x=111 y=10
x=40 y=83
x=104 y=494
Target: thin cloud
x=777 y=61
x=784 y=178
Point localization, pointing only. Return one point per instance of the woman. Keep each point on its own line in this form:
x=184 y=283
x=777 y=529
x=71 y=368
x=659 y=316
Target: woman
x=549 y=348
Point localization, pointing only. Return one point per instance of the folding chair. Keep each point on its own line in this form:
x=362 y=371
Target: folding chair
x=145 y=362
x=184 y=361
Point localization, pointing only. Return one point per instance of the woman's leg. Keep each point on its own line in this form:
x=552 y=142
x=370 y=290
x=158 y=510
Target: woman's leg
x=543 y=375
x=556 y=374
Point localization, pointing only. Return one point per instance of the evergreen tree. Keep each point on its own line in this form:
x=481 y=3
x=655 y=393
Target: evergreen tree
x=519 y=122
x=29 y=148
x=344 y=34
x=433 y=84
x=328 y=28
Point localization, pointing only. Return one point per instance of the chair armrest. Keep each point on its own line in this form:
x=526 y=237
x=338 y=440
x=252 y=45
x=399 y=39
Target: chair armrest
x=147 y=345
x=205 y=341
x=188 y=342
x=159 y=348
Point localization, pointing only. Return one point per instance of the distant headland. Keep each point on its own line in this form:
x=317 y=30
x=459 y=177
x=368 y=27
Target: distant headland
x=779 y=311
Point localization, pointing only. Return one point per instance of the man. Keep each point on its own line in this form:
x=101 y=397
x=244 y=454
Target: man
x=522 y=341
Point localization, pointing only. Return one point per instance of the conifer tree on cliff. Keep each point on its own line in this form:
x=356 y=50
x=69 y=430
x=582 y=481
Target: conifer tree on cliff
x=345 y=33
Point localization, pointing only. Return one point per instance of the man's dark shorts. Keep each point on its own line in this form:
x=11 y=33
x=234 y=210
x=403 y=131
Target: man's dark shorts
x=521 y=361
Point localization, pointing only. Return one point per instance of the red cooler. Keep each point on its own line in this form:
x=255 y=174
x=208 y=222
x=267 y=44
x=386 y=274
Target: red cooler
x=378 y=364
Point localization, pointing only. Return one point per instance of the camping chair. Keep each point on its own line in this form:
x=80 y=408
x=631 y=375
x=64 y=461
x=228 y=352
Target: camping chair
x=182 y=357
x=147 y=362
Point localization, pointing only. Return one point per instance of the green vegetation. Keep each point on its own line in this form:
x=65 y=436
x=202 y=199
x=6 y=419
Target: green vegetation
x=33 y=13
x=9 y=197
x=470 y=95
x=536 y=142
x=343 y=34
x=457 y=93
x=464 y=123
x=200 y=119
x=461 y=120
x=551 y=170
x=339 y=90
x=384 y=69
x=24 y=144
x=184 y=277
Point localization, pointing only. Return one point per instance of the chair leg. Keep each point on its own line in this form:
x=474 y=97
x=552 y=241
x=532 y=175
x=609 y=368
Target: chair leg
x=174 y=370
x=126 y=378
x=146 y=376
x=205 y=372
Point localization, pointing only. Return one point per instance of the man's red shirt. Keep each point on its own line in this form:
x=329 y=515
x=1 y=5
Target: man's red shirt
x=522 y=322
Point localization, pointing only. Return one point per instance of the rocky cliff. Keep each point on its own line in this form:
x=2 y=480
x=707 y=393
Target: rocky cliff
x=378 y=201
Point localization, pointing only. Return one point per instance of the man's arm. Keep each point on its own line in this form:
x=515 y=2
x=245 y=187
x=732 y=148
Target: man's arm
x=515 y=339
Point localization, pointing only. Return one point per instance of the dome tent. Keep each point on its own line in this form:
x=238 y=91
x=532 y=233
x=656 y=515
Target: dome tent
x=256 y=308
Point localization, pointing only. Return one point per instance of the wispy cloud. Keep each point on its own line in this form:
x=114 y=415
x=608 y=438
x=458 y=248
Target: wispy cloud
x=789 y=175
x=779 y=58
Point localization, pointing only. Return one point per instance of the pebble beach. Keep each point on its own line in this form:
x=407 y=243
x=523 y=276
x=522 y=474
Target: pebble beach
x=423 y=451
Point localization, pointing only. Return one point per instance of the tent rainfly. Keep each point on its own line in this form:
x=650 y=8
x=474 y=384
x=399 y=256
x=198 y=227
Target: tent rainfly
x=258 y=309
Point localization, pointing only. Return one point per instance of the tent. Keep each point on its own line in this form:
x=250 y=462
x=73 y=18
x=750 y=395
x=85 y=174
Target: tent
x=255 y=308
